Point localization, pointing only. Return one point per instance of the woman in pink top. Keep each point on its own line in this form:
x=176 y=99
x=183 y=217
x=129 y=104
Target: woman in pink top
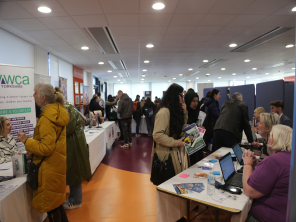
x=267 y=182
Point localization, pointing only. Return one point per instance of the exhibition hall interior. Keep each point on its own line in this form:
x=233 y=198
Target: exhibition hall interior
x=136 y=110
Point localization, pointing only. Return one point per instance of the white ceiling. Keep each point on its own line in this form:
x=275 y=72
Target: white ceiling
x=184 y=33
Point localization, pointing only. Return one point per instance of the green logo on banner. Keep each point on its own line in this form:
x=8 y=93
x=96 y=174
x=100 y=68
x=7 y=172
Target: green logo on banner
x=10 y=80
x=15 y=111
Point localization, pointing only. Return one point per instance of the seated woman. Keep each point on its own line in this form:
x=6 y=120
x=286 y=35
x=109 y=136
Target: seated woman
x=8 y=145
x=267 y=182
x=256 y=115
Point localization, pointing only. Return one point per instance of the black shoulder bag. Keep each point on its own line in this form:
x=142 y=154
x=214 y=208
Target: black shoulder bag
x=161 y=170
x=32 y=176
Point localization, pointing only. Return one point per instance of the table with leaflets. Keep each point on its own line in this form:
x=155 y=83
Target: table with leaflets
x=110 y=132
x=172 y=206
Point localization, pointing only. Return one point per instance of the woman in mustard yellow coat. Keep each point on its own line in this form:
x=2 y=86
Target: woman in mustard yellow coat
x=49 y=141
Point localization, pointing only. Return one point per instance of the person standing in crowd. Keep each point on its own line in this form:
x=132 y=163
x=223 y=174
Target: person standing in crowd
x=8 y=146
x=277 y=106
x=156 y=100
x=102 y=103
x=49 y=142
x=137 y=114
x=149 y=110
x=125 y=109
x=190 y=90
x=143 y=99
x=191 y=101
x=111 y=114
x=94 y=104
x=78 y=166
x=233 y=119
x=267 y=182
x=256 y=115
x=201 y=103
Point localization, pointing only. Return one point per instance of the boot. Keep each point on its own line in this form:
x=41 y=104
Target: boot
x=63 y=214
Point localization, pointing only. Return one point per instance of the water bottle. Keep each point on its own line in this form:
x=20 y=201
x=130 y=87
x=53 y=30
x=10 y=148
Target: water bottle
x=211 y=184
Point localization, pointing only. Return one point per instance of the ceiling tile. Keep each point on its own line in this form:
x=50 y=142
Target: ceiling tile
x=230 y=6
x=126 y=39
x=171 y=44
x=155 y=19
x=27 y=24
x=196 y=6
x=275 y=20
x=232 y=30
x=46 y=34
x=70 y=33
x=63 y=48
x=146 y=6
x=32 y=7
x=82 y=7
x=84 y=21
x=286 y=10
x=122 y=6
x=123 y=19
x=59 y=22
x=247 y=20
x=133 y=45
x=11 y=10
x=265 y=7
x=180 y=31
x=155 y=31
x=257 y=31
x=123 y=31
x=151 y=39
x=189 y=44
x=78 y=41
x=217 y=20
x=206 y=30
x=186 y=19
x=198 y=38
x=53 y=42
x=174 y=38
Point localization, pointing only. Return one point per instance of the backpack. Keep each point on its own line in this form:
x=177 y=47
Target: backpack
x=149 y=111
x=135 y=106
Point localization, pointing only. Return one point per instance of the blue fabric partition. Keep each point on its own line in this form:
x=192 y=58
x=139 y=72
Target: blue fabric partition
x=269 y=91
x=223 y=94
x=248 y=92
x=289 y=99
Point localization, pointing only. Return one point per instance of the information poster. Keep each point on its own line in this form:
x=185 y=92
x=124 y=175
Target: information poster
x=16 y=100
x=85 y=95
x=63 y=86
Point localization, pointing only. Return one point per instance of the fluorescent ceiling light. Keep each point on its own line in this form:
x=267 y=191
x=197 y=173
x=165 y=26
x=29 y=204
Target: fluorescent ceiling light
x=118 y=79
x=232 y=45
x=180 y=74
x=101 y=63
x=121 y=82
x=254 y=68
x=208 y=74
x=289 y=46
x=189 y=80
x=190 y=69
x=209 y=80
x=219 y=77
x=158 y=6
x=142 y=79
x=248 y=77
x=174 y=78
x=109 y=71
x=84 y=48
x=197 y=77
x=294 y=9
x=115 y=76
x=141 y=82
x=223 y=69
x=143 y=75
x=233 y=74
x=144 y=70
x=293 y=68
x=169 y=81
x=266 y=73
x=247 y=60
x=205 y=60
x=44 y=9
x=149 y=46
x=146 y=61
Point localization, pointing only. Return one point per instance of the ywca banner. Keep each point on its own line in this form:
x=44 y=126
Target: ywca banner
x=16 y=100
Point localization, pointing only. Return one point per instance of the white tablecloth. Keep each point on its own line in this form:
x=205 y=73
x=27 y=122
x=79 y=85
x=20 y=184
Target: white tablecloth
x=110 y=132
x=95 y=138
x=17 y=205
x=172 y=208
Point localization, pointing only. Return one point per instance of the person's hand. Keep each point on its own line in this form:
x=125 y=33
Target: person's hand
x=255 y=129
x=255 y=144
x=249 y=157
x=180 y=142
x=184 y=106
x=22 y=137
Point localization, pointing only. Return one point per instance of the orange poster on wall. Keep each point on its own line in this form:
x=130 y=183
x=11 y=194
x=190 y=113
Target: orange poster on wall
x=290 y=79
x=77 y=72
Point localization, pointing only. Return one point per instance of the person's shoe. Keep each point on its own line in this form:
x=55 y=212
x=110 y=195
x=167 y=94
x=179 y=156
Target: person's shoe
x=138 y=135
x=130 y=145
x=125 y=146
x=66 y=201
x=71 y=206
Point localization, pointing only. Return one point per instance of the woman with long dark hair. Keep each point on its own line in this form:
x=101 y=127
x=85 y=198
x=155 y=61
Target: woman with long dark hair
x=170 y=117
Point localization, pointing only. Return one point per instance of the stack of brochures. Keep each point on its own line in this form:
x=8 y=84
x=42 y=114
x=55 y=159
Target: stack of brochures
x=193 y=138
x=185 y=188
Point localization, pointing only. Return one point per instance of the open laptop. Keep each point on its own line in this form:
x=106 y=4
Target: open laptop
x=228 y=171
x=239 y=153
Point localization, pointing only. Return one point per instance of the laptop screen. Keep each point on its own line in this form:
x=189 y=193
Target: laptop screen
x=238 y=152
x=226 y=166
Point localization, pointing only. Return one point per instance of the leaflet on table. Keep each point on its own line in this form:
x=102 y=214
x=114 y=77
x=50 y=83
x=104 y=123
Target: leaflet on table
x=193 y=138
x=185 y=188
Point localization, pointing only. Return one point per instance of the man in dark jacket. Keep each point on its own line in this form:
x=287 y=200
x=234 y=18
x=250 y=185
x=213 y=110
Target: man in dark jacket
x=277 y=107
x=231 y=122
x=125 y=110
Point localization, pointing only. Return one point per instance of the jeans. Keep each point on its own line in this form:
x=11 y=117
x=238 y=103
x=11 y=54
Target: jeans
x=75 y=194
x=120 y=128
x=127 y=131
x=149 y=122
x=223 y=138
x=138 y=123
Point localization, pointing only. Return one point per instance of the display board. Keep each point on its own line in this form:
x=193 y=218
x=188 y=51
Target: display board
x=16 y=100
x=248 y=92
x=289 y=100
x=223 y=95
x=269 y=91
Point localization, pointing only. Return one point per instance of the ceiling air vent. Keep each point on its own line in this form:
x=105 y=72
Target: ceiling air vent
x=213 y=63
x=275 y=33
x=117 y=65
x=191 y=73
x=102 y=39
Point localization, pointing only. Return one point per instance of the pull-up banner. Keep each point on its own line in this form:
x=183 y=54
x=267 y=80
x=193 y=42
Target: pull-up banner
x=16 y=100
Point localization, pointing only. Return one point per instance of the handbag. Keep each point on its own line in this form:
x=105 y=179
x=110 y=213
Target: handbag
x=161 y=170
x=32 y=176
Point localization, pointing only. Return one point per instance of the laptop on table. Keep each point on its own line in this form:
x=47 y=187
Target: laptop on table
x=239 y=153
x=228 y=171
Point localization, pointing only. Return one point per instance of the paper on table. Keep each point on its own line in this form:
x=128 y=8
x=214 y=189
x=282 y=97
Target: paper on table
x=219 y=198
x=6 y=166
x=6 y=189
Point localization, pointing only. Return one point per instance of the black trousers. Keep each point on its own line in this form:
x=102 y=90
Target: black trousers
x=223 y=138
x=120 y=128
x=57 y=215
x=127 y=131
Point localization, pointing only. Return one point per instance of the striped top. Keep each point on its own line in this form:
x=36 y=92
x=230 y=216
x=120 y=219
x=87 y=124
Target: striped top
x=8 y=148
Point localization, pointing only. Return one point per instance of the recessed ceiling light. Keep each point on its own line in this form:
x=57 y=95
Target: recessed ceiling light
x=293 y=68
x=109 y=71
x=169 y=81
x=118 y=79
x=115 y=76
x=197 y=77
x=208 y=74
x=233 y=74
x=180 y=74
x=143 y=75
x=294 y=9
x=232 y=45
x=205 y=60
x=141 y=82
x=101 y=63
x=146 y=61
x=174 y=78
x=219 y=77
x=209 y=80
x=247 y=60
x=266 y=73
x=121 y=82
x=223 y=69
x=190 y=69
x=149 y=46
x=142 y=79
x=84 y=48
x=289 y=46
x=254 y=68
x=189 y=80
x=158 y=6
x=248 y=77
x=44 y=9
x=144 y=70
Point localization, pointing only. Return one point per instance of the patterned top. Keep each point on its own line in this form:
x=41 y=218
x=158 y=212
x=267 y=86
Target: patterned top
x=8 y=148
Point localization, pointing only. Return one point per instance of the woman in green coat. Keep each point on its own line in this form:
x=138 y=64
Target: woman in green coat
x=78 y=166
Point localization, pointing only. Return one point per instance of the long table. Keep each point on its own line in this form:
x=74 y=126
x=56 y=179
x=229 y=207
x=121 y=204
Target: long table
x=171 y=206
x=110 y=132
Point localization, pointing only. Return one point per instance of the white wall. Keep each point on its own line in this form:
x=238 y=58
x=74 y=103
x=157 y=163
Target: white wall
x=189 y=85
x=41 y=61
x=201 y=87
x=15 y=51
x=131 y=89
x=221 y=83
x=110 y=89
